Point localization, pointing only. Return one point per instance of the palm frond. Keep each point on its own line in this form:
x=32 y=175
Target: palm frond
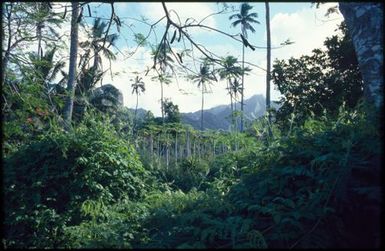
x=249 y=27
x=251 y=20
x=235 y=23
x=235 y=16
x=108 y=54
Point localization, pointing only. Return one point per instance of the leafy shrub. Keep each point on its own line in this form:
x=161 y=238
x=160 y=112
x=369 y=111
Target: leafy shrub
x=189 y=173
x=304 y=196
x=61 y=171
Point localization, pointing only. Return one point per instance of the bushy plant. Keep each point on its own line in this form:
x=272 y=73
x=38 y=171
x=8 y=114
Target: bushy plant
x=61 y=171
x=189 y=173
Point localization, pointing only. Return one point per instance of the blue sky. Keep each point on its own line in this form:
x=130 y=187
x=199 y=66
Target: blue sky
x=299 y=22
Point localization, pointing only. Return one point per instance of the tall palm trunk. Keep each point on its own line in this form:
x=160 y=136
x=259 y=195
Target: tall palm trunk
x=38 y=33
x=203 y=95
x=231 y=105
x=243 y=77
x=268 y=65
x=72 y=66
x=39 y=26
x=136 y=110
x=365 y=26
x=188 y=143
x=176 y=148
x=7 y=52
x=161 y=100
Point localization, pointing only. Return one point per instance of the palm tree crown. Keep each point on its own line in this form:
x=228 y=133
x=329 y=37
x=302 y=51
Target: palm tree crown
x=229 y=69
x=245 y=19
x=204 y=76
x=138 y=86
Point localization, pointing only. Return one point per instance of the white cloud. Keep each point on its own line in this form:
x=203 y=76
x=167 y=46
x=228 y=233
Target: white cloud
x=196 y=10
x=302 y=27
x=308 y=28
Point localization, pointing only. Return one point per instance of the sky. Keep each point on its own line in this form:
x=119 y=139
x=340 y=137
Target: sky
x=301 y=23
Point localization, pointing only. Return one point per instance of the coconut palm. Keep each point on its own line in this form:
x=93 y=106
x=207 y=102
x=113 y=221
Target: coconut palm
x=244 y=18
x=203 y=78
x=45 y=69
x=95 y=45
x=230 y=71
x=163 y=79
x=71 y=84
x=163 y=60
x=268 y=60
x=137 y=88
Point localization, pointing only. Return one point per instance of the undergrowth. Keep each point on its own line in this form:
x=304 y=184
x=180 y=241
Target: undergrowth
x=315 y=186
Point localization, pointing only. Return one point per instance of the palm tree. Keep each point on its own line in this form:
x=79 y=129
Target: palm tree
x=245 y=19
x=230 y=71
x=235 y=88
x=42 y=14
x=163 y=79
x=71 y=85
x=268 y=65
x=137 y=88
x=161 y=55
x=45 y=69
x=204 y=77
x=96 y=45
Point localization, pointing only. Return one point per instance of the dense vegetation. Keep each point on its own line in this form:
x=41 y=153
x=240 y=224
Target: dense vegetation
x=113 y=181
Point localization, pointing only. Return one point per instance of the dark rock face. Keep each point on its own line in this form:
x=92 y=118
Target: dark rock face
x=107 y=98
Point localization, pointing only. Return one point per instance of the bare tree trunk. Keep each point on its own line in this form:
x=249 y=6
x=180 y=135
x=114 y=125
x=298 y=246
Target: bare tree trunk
x=176 y=148
x=203 y=95
x=243 y=77
x=231 y=106
x=151 y=148
x=268 y=66
x=188 y=143
x=136 y=109
x=161 y=100
x=8 y=50
x=365 y=26
x=39 y=26
x=167 y=156
x=72 y=66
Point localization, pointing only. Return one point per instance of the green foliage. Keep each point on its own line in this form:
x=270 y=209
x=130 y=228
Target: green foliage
x=313 y=184
x=26 y=114
x=317 y=84
x=187 y=174
x=171 y=112
x=62 y=170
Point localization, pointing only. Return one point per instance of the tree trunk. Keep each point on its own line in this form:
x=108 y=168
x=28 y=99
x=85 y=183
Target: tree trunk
x=203 y=95
x=151 y=148
x=188 y=144
x=231 y=106
x=136 y=109
x=39 y=27
x=176 y=148
x=161 y=101
x=268 y=66
x=365 y=26
x=8 y=50
x=72 y=66
x=243 y=78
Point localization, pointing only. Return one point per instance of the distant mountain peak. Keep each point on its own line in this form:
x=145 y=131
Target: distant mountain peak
x=218 y=117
